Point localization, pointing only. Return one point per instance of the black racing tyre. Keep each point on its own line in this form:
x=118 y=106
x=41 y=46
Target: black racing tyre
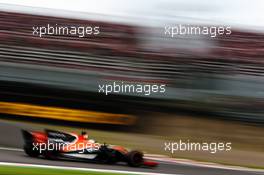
x=51 y=155
x=135 y=158
x=31 y=151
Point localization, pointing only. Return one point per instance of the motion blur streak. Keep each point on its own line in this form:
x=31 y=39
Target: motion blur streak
x=65 y=114
x=214 y=85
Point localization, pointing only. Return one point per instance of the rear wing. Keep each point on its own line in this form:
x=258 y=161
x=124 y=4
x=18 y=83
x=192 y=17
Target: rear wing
x=27 y=136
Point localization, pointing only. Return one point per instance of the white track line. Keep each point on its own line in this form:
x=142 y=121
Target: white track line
x=11 y=149
x=81 y=169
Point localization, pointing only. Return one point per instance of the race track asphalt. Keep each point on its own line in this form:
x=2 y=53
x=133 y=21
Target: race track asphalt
x=10 y=137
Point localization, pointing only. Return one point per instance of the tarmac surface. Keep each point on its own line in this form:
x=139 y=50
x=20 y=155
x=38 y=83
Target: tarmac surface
x=10 y=137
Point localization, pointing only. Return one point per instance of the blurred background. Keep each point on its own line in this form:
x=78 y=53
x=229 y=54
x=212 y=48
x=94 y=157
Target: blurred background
x=214 y=86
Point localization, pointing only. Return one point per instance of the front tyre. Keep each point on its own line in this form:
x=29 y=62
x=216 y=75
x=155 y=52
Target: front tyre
x=135 y=158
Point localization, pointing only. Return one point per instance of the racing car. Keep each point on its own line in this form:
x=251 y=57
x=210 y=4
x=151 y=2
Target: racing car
x=54 y=145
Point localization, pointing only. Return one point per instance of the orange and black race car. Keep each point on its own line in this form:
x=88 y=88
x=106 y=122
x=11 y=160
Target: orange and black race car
x=58 y=145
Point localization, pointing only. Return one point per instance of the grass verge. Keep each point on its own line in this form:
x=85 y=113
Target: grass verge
x=14 y=170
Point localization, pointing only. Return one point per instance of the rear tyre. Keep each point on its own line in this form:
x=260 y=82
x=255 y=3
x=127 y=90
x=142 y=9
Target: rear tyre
x=31 y=151
x=51 y=155
x=135 y=158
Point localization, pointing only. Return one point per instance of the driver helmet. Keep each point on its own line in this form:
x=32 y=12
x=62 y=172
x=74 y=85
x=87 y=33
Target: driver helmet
x=85 y=135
